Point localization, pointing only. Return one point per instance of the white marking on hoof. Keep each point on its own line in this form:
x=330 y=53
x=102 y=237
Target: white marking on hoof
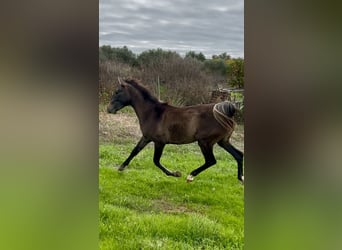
x=242 y=179
x=190 y=178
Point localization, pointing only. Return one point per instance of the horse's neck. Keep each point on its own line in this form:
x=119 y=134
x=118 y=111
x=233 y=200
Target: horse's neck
x=142 y=108
x=142 y=111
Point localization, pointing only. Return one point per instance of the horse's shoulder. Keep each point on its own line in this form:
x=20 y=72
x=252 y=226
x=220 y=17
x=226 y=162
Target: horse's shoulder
x=160 y=108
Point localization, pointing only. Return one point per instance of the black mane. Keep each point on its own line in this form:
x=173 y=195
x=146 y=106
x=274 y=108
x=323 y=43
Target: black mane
x=143 y=90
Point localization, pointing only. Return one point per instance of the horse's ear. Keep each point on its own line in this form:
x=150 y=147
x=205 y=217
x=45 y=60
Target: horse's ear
x=121 y=82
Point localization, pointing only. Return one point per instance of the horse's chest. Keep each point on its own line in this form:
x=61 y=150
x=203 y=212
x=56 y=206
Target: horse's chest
x=153 y=132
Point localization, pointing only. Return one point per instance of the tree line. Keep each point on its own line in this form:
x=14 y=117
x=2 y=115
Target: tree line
x=180 y=80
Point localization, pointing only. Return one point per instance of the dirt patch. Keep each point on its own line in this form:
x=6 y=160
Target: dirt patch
x=167 y=207
x=123 y=127
x=118 y=127
x=238 y=136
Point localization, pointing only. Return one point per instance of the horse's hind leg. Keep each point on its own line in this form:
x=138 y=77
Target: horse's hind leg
x=207 y=151
x=158 y=151
x=141 y=144
x=237 y=154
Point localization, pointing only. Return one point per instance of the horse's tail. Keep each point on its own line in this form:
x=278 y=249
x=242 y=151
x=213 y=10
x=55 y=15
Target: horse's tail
x=223 y=113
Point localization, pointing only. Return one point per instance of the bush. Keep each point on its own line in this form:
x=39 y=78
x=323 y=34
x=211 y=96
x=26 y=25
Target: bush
x=179 y=81
x=109 y=71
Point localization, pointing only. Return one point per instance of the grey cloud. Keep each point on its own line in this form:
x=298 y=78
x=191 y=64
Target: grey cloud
x=200 y=25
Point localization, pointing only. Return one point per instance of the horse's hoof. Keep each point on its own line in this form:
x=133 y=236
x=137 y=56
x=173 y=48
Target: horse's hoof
x=177 y=174
x=121 y=168
x=190 y=178
x=242 y=180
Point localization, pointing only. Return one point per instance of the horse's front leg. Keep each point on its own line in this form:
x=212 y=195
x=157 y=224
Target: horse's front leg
x=141 y=144
x=158 y=151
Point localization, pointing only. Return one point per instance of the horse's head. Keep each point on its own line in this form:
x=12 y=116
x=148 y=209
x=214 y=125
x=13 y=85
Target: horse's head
x=120 y=98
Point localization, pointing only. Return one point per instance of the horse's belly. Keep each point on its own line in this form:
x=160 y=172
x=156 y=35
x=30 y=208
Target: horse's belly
x=176 y=133
x=180 y=135
x=172 y=139
x=181 y=140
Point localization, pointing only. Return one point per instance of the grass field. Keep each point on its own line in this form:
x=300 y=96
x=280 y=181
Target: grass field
x=141 y=208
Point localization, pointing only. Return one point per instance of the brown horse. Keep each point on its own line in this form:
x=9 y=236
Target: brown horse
x=165 y=124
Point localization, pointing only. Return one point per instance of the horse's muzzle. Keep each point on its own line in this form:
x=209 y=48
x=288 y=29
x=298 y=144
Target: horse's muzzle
x=111 y=110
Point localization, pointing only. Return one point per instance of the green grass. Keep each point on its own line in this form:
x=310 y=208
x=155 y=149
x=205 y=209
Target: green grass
x=141 y=208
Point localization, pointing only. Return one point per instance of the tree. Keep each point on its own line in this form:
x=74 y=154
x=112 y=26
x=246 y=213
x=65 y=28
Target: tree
x=193 y=54
x=235 y=72
x=105 y=53
x=216 y=66
x=223 y=56
x=123 y=55
x=155 y=56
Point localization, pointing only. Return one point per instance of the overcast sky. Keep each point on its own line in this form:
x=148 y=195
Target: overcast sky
x=207 y=26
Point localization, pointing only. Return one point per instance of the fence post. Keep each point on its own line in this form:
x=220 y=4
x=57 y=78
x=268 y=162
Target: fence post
x=158 y=84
